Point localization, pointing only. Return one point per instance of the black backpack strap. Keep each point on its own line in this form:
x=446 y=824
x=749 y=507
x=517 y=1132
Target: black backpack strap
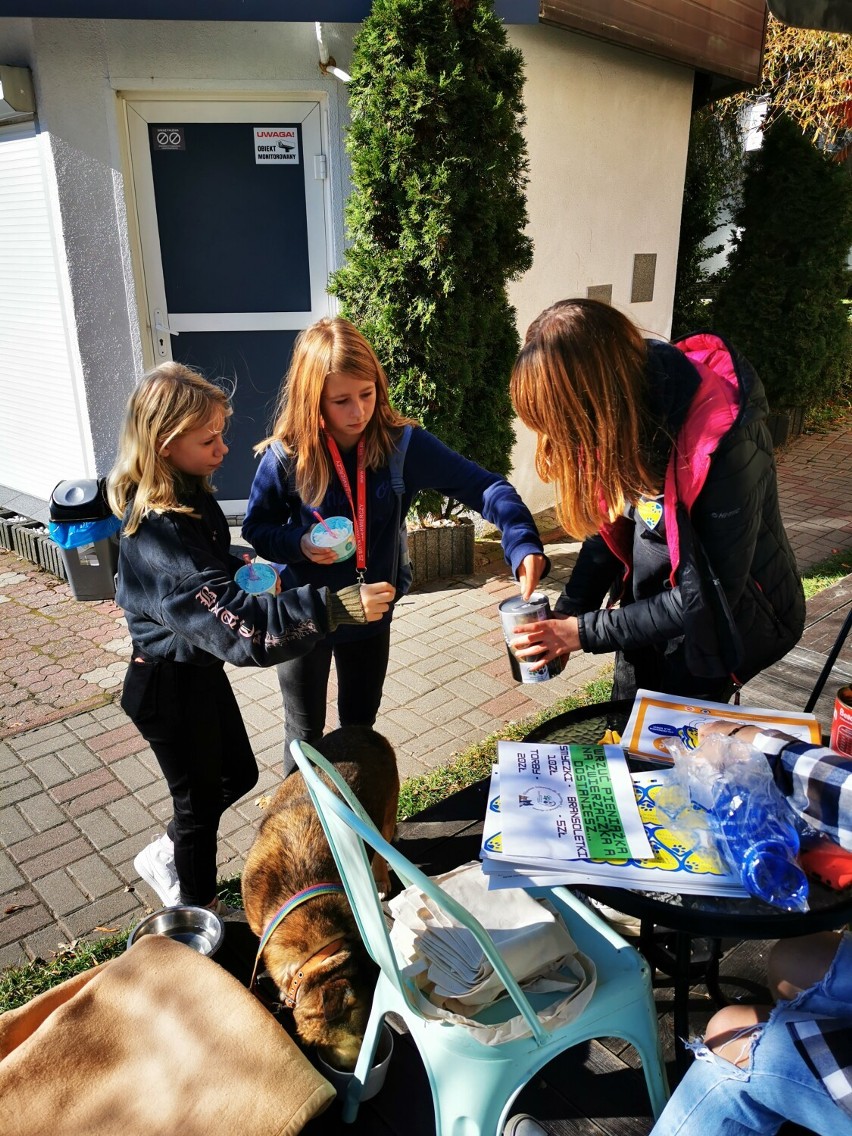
x=396 y=465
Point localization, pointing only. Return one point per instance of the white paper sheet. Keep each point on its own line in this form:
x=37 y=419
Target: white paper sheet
x=673 y=867
x=566 y=802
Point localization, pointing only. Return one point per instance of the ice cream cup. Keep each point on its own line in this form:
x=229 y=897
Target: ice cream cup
x=257 y=578
x=341 y=538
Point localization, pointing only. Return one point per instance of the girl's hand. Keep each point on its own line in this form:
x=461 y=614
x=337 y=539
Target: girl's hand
x=313 y=552
x=530 y=572
x=376 y=599
x=546 y=640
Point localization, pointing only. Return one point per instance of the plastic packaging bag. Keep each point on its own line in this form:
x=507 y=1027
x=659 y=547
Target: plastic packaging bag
x=77 y=533
x=756 y=827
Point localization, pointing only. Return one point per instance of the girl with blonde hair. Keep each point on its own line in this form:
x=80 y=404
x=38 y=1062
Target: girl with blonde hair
x=330 y=452
x=187 y=617
x=662 y=463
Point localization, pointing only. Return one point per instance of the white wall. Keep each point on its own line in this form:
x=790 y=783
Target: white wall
x=607 y=133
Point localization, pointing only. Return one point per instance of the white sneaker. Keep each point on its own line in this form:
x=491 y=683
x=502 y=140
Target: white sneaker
x=156 y=865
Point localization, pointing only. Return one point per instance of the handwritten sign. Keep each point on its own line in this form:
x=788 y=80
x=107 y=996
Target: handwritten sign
x=568 y=802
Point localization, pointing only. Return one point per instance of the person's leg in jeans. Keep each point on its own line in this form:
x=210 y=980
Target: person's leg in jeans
x=775 y=1085
x=304 y=693
x=749 y=1076
x=361 y=669
x=200 y=742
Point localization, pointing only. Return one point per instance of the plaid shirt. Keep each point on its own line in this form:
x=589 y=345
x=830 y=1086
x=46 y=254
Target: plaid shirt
x=818 y=786
x=825 y=1044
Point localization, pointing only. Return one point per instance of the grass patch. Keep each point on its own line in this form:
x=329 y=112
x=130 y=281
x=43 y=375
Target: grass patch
x=20 y=984
x=827 y=572
x=475 y=762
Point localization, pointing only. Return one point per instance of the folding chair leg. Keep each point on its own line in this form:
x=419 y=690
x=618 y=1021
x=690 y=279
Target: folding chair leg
x=362 y=1066
x=829 y=662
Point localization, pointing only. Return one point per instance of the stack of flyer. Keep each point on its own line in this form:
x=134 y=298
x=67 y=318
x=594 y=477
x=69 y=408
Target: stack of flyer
x=574 y=815
x=657 y=720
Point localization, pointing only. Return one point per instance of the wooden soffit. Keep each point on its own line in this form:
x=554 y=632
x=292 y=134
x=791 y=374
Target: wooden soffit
x=719 y=37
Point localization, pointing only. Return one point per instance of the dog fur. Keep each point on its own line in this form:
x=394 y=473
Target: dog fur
x=290 y=853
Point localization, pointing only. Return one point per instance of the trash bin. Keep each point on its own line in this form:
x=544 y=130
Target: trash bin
x=82 y=524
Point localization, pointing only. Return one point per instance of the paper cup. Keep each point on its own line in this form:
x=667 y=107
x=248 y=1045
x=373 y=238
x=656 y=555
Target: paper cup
x=257 y=578
x=341 y=538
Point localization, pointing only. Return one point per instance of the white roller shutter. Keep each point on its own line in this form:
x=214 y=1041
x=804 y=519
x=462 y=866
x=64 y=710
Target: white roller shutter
x=43 y=435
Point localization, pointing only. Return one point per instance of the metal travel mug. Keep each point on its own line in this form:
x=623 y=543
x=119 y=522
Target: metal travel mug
x=514 y=612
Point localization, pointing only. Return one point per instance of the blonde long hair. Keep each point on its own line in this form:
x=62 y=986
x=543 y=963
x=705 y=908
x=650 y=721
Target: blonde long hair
x=328 y=346
x=580 y=384
x=169 y=401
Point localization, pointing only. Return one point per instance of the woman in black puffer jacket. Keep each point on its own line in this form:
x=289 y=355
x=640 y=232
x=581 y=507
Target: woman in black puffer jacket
x=662 y=462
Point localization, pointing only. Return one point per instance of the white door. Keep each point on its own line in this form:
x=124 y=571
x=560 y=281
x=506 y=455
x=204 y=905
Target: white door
x=230 y=204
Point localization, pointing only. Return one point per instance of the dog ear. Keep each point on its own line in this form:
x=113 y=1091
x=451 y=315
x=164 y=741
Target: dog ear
x=337 y=998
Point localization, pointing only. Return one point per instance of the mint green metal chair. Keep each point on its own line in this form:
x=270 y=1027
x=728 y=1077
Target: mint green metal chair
x=473 y=1085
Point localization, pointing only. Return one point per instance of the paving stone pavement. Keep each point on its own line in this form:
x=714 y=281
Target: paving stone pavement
x=82 y=792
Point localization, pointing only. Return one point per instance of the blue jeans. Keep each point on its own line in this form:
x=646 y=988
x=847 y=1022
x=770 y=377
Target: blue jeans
x=716 y=1098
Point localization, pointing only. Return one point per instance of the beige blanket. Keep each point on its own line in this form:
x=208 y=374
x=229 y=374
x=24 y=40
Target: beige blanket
x=159 y=1042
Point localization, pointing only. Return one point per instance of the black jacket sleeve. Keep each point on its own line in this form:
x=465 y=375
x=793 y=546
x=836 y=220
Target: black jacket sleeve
x=180 y=601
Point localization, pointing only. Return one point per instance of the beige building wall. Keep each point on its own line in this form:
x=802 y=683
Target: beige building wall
x=607 y=132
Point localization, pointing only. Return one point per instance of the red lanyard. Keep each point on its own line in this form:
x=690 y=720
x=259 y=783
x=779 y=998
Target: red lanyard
x=359 y=515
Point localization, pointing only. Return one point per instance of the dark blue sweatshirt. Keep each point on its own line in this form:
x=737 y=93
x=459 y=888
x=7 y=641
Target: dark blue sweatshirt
x=176 y=586
x=277 y=518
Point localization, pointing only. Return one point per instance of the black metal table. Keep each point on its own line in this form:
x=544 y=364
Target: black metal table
x=689 y=916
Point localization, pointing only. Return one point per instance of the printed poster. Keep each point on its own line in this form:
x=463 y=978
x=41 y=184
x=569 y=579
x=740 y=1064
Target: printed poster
x=568 y=802
x=681 y=863
x=660 y=718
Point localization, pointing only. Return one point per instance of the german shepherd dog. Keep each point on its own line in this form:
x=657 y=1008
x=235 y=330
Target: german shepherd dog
x=315 y=955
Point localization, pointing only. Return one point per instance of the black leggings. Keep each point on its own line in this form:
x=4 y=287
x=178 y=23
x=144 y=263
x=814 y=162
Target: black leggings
x=189 y=716
x=361 y=668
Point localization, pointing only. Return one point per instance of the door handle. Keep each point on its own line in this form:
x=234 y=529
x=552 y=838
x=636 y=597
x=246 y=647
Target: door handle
x=160 y=327
x=161 y=331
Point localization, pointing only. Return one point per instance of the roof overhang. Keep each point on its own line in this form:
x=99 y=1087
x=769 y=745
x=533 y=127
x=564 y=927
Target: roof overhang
x=282 y=11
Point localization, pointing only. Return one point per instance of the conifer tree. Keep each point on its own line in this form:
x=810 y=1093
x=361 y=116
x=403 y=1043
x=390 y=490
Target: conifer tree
x=711 y=184
x=781 y=297
x=437 y=214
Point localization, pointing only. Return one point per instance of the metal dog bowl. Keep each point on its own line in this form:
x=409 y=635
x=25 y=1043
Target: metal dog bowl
x=198 y=927
x=378 y=1070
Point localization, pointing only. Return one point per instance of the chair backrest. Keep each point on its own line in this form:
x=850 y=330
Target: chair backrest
x=349 y=830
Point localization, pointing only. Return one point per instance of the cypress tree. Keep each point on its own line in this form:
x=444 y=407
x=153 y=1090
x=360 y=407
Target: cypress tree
x=437 y=214
x=781 y=298
x=713 y=176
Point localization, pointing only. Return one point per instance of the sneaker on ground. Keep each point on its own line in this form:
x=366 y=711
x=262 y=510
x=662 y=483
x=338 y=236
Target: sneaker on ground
x=156 y=865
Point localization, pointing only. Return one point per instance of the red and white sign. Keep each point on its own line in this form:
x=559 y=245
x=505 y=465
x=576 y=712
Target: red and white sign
x=276 y=144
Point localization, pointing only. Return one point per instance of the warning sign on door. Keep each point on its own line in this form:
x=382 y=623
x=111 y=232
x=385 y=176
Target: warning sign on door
x=276 y=144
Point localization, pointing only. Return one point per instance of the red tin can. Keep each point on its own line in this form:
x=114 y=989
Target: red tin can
x=841 y=722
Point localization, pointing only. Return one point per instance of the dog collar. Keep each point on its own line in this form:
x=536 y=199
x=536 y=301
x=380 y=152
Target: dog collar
x=284 y=910
x=291 y=994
